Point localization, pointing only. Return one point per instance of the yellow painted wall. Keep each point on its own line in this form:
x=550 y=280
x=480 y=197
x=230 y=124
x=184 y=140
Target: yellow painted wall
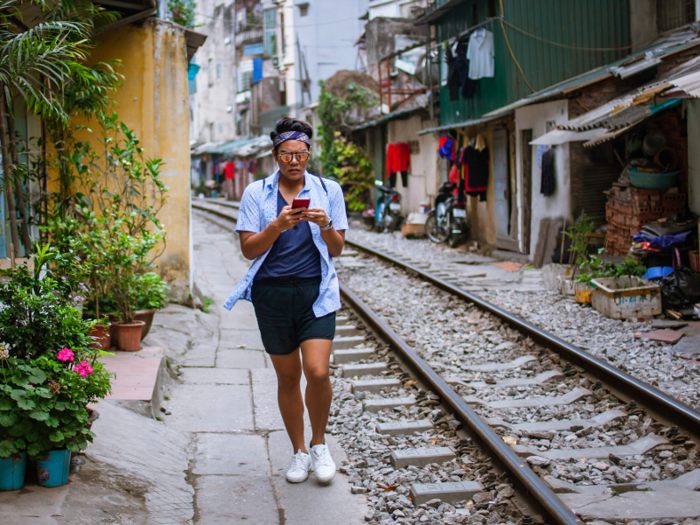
x=153 y=102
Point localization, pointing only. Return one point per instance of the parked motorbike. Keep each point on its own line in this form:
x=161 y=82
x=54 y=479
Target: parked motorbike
x=447 y=221
x=388 y=209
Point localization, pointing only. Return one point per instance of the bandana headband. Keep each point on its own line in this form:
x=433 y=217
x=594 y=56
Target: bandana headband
x=291 y=135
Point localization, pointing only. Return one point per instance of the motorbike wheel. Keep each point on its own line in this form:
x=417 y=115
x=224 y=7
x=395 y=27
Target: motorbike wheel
x=433 y=230
x=455 y=239
x=394 y=223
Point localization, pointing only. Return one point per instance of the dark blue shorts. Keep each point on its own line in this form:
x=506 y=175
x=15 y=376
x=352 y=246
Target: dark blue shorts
x=284 y=309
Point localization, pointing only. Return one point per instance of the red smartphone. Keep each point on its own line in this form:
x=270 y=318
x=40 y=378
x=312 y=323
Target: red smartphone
x=301 y=203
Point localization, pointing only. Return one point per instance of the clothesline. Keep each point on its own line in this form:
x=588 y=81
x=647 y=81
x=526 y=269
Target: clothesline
x=469 y=30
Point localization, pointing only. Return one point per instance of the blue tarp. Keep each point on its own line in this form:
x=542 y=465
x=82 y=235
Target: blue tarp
x=192 y=70
x=257 y=70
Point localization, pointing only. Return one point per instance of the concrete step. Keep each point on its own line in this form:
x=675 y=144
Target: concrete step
x=374 y=385
x=376 y=405
x=448 y=492
x=421 y=456
x=568 y=398
x=347 y=330
x=368 y=369
x=397 y=428
x=342 y=343
x=341 y=357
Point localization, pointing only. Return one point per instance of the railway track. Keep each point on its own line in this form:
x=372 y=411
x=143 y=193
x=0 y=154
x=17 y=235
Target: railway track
x=572 y=436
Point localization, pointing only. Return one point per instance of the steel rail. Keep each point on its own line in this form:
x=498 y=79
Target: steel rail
x=664 y=405
x=546 y=498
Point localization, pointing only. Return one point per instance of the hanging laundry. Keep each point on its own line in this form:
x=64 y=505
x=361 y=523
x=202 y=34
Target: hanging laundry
x=453 y=82
x=398 y=160
x=446 y=147
x=454 y=178
x=548 y=184
x=476 y=164
x=467 y=85
x=481 y=54
x=541 y=148
x=230 y=170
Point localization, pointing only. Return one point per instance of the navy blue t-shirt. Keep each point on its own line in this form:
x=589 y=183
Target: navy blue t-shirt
x=293 y=254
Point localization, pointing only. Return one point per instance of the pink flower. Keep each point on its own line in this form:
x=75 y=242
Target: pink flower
x=65 y=355
x=83 y=369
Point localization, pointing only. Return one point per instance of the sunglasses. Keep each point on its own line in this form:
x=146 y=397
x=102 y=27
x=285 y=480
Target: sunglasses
x=301 y=156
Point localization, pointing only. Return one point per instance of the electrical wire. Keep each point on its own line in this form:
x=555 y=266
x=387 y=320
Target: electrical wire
x=505 y=35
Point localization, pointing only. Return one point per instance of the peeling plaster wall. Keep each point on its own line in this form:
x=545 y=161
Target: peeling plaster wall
x=153 y=102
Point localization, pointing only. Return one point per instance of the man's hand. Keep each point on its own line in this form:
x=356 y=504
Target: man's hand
x=317 y=216
x=289 y=217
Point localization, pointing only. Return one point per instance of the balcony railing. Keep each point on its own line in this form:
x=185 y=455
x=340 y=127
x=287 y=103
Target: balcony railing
x=249 y=36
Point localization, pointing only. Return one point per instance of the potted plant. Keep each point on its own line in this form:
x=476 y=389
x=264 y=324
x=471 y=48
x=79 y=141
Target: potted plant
x=49 y=372
x=152 y=295
x=128 y=258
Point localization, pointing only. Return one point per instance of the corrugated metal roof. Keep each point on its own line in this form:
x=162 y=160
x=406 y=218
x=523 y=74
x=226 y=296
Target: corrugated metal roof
x=632 y=64
x=387 y=118
x=250 y=147
x=467 y=123
x=560 y=136
x=205 y=148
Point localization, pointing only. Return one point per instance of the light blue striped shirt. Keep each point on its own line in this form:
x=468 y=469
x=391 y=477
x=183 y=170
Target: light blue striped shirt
x=259 y=209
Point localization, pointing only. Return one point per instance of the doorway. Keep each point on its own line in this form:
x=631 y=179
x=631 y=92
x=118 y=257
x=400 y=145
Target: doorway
x=526 y=187
x=502 y=191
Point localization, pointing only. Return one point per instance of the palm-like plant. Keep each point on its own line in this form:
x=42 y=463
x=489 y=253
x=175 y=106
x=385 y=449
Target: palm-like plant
x=36 y=65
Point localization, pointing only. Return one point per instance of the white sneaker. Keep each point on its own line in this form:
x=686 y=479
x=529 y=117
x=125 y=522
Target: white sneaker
x=322 y=463
x=299 y=471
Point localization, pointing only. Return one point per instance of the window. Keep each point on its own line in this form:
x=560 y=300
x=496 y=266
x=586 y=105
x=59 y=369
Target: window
x=218 y=71
x=245 y=75
x=210 y=71
x=270 y=25
x=492 y=8
x=671 y=14
x=283 y=41
x=303 y=9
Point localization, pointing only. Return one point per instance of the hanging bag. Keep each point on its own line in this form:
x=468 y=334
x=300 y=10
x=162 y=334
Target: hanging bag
x=681 y=288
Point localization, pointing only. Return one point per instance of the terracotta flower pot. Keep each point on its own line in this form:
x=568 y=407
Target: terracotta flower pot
x=103 y=335
x=130 y=336
x=113 y=320
x=147 y=317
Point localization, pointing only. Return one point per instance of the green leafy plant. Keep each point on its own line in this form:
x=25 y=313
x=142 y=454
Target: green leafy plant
x=39 y=310
x=152 y=292
x=43 y=401
x=600 y=270
x=353 y=170
x=107 y=221
x=182 y=12
x=38 y=66
x=342 y=159
x=127 y=257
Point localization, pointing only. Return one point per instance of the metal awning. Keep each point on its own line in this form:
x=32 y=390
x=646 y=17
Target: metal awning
x=205 y=148
x=560 y=136
x=468 y=123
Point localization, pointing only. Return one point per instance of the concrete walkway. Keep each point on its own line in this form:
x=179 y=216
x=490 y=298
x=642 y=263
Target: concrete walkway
x=228 y=402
